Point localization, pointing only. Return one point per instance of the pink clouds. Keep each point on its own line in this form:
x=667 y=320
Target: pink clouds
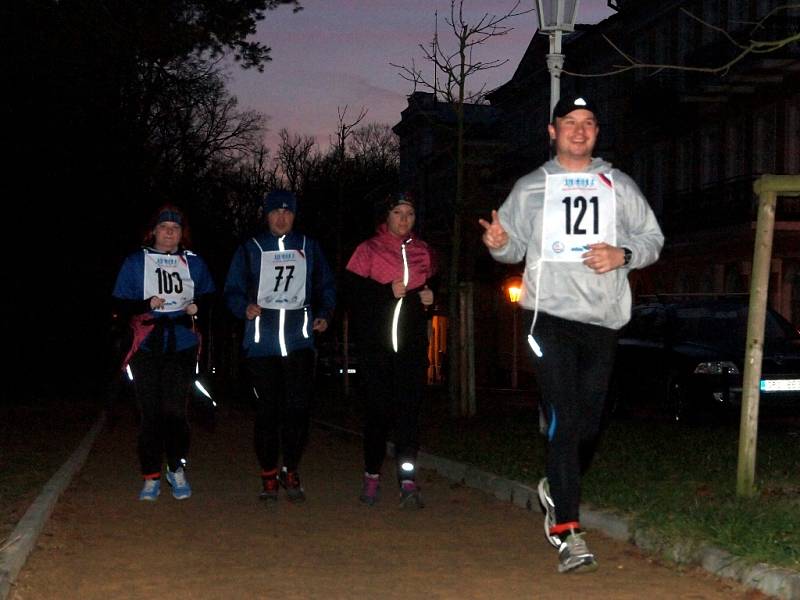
x=339 y=53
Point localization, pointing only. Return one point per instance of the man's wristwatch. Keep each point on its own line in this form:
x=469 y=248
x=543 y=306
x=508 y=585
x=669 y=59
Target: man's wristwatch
x=627 y=259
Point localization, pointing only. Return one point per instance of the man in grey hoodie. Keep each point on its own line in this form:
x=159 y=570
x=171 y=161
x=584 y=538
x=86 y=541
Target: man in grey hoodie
x=581 y=226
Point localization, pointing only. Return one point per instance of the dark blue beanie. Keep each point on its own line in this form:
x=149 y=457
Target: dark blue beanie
x=169 y=215
x=280 y=199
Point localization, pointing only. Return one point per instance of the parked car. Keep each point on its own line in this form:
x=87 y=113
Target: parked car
x=685 y=359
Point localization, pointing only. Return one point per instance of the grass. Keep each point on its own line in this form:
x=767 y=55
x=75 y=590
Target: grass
x=675 y=479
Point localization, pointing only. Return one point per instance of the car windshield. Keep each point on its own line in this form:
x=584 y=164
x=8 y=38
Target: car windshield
x=722 y=323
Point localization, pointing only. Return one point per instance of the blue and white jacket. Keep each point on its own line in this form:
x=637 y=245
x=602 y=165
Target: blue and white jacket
x=279 y=334
x=173 y=330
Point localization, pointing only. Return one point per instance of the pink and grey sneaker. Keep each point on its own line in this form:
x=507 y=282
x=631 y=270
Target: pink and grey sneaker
x=410 y=496
x=370 y=491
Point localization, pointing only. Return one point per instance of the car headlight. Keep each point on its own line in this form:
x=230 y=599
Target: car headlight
x=717 y=367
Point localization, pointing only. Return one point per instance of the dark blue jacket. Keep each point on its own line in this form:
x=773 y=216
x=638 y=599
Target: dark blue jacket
x=129 y=300
x=241 y=287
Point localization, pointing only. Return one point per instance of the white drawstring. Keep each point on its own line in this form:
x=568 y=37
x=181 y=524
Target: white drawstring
x=396 y=316
x=537 y=350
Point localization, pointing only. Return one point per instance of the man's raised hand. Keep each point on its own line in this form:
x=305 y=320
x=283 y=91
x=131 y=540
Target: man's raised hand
x=494 y=236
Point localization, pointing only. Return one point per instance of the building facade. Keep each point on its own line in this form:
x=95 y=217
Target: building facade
x=694 y=137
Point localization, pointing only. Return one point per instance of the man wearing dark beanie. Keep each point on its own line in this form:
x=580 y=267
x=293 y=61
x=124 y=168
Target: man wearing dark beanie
x=280 y=284
x=581 y=226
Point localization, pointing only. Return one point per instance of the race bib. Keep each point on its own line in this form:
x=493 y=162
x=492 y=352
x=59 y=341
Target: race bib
x=167 y=276
x=282 y=281
x=579 y=209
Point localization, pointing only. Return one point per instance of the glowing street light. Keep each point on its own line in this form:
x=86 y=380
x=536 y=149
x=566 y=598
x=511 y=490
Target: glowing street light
x=556 y=17
x=513 y=289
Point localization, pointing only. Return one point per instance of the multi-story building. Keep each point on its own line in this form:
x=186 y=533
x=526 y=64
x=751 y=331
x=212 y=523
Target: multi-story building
x=694 y=140
x=695 y=137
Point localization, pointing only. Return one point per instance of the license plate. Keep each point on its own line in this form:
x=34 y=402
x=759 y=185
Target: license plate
x=780 y=385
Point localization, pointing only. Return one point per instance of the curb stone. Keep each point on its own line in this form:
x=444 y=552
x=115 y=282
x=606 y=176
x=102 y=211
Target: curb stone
x=23 y=539
x=775 y=582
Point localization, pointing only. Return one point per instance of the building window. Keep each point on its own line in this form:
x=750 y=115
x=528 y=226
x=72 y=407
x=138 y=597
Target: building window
x=734 y=148
x=764 y=140
x=792 y=136
x=685 y=165
x=709 y=157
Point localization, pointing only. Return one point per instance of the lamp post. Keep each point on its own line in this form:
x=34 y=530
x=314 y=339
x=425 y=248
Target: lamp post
x=513 y=290
x=556 y=17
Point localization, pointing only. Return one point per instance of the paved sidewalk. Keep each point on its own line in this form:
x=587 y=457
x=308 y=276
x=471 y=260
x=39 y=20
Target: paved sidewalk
x=100 y=542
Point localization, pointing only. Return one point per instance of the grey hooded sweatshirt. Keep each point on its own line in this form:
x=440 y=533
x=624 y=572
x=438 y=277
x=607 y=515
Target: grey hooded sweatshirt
x=571 y=290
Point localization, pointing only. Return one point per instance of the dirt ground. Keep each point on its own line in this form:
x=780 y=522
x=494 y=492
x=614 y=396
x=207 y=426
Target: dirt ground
x=101 y=542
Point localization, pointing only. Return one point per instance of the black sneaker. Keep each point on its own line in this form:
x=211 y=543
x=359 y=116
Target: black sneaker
x=290 y=480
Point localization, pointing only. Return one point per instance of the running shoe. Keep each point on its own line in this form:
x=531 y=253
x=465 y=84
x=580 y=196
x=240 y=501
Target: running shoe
x=574 y=555
x=269 y=489
x=549 y=509
x=290 y=480
x=410 y=496
x=150 y=490
x=370 y=491
x=181 y=490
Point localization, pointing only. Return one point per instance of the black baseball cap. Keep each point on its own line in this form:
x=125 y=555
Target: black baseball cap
x=569 y=103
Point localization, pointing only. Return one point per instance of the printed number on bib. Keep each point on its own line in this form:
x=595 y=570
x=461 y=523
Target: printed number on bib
x=279 y=278
x=169 y=282
x=575 y=208
x=167 y=276
x=282 y=279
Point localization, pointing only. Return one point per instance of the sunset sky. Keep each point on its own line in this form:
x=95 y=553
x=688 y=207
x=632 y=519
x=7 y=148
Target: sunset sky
x=333 y=54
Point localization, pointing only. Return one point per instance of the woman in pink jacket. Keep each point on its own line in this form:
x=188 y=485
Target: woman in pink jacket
x=388 y=278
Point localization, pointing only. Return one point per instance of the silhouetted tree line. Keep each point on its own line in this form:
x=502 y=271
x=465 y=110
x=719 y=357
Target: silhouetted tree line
x=111 y=108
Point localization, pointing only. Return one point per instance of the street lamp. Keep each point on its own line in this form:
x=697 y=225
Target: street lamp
x=513 y=289
x=556 y=17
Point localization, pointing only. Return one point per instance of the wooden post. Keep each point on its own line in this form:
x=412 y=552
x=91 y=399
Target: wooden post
x=767 y=188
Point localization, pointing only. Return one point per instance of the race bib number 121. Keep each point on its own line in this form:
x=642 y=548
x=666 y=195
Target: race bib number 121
x=579 y=209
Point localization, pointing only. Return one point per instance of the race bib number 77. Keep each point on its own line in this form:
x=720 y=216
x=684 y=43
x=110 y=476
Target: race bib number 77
x=579 y=209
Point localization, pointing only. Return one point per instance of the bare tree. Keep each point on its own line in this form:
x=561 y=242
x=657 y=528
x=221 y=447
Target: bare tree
x=344 y=130
x=748 y=47
x=375 y=142
x=452 y=71
x=294 y=154
x=255 y=173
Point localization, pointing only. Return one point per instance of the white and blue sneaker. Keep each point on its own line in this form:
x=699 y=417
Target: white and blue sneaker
x=180 y=486
x=150 y=490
